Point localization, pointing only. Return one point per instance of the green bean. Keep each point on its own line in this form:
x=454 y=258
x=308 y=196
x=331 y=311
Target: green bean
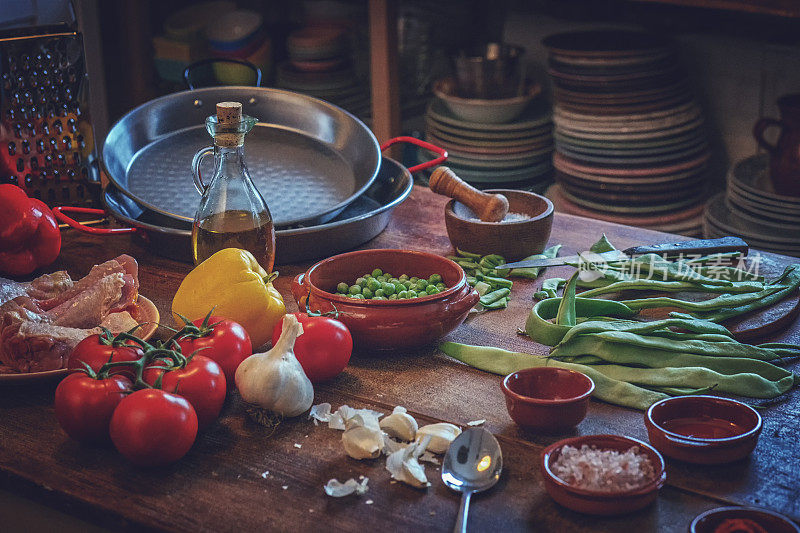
x=502 y=303
x=467 y=254
x=791 y=278
x=603 y=245
x=749 y=385
x=540 y=329
x=493 y=296
x=618 y=351
x=482 y=287
x=467 y=264
x=494 y=281
x=631 y=326
x=672 y=286
x=550 y=288
x=720 y=302
x=566 y=315
x=499 y=361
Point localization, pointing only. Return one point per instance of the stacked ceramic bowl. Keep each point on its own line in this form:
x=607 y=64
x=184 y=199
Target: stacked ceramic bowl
x=319 y=65
x=504 y=143
x=752 y=210
x=631 y=145
x=239 y=35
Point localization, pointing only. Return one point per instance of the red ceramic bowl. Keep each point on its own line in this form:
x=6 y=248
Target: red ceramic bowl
x=595 y=502
x=703 y=429
x=709 y=521
x=548 y=398
x=388 y=324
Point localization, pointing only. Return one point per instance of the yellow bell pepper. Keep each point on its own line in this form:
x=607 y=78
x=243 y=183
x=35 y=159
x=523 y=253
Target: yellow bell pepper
x=232 y=283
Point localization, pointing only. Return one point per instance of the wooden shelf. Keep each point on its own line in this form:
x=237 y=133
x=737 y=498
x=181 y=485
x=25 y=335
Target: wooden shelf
x=781 y=8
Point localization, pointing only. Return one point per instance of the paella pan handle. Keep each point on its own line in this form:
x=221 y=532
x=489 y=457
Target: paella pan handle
x=187 y=72
x=428 y=146
x=71 y=222
x=196 y=161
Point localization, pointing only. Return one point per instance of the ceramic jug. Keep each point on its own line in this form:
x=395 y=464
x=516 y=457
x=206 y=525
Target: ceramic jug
x=784 y=160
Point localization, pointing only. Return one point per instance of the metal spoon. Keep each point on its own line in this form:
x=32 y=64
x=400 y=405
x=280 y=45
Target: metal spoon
x=472 y=464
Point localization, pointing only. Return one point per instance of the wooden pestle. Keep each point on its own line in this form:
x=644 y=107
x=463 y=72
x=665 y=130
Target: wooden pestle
x=488 y=207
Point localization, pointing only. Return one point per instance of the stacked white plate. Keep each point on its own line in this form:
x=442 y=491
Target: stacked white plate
x=752 y=210
x=513 y=154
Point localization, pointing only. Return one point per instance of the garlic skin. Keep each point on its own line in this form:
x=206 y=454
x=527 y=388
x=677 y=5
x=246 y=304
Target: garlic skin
x=337 y=489
x=404 y=465
x=362 y=438
x=275 y=380
x=400 y=425
x=442 y=434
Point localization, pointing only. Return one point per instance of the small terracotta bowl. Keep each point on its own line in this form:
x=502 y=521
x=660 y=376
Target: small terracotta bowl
x=547 y=399
x=596 y=502
x=512 y=240
x=388 y=324
x=703 y=429
x=709 y=521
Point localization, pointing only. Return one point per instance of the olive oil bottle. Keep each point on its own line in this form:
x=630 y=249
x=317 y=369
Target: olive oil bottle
x=232 y=213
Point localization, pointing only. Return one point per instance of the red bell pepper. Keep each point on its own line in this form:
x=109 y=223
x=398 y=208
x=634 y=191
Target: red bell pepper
x=29 y=234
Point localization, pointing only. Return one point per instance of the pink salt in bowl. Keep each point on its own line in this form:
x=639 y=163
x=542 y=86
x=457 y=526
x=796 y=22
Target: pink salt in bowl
x=596 y=502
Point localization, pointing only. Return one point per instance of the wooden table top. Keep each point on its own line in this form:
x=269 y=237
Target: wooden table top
x=220 y=485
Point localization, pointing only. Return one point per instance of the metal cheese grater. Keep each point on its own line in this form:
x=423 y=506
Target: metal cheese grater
x=46 y=139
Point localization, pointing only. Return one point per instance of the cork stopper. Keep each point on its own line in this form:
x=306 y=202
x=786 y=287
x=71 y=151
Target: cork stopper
x=229 y=114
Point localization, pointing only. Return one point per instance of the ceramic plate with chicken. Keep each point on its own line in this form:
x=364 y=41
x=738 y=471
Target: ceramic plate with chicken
x=41 y=321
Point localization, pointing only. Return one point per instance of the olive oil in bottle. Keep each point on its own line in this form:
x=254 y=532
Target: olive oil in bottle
x=232 y=213
x=234 y=229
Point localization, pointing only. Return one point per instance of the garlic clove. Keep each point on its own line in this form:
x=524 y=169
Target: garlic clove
x=400 y=425
x=336 y=489
x=442 y=434
x=363 y=438
x=404 y=465
x=390 y=446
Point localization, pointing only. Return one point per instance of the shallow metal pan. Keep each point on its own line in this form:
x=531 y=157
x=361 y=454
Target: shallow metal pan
x=308 y=158
x=361 y=221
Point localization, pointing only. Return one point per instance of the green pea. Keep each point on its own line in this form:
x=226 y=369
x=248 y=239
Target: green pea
x=402 y=295
x=373 y=285
x=435 y=278
x=367 y=293
x=362 y=282
x=379 y=298
x=441 y=286
x=358 y=296
x=394 y=281
x=407 y=284
x=382 y=279
x=388 y=289
x=431 y=289
x=377 y=272
x=399 y=287
x=414 y=279
x=342 y=288
x=403 y=277
x=412 y=294
x=422 y=284
x=355 y=289
x=393 y=297
x=378 y=293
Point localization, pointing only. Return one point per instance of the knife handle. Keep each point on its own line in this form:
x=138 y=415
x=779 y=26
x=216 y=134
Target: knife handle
x=700 y=246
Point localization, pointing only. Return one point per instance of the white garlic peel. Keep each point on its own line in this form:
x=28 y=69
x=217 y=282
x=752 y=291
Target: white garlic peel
x=362 y=438
x=336 y=489
x=442 y=434
x=404 y=465
x=275 y=380
x=400 y=425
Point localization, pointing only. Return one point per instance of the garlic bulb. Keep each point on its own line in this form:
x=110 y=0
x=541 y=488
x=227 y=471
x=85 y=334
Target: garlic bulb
x=404 y=465
x=400 y=425
x=275 y=380
x=362 y=438
x=442 y=434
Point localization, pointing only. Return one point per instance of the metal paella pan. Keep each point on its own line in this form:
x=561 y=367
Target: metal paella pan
x=308 y=158
x=359 y=222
